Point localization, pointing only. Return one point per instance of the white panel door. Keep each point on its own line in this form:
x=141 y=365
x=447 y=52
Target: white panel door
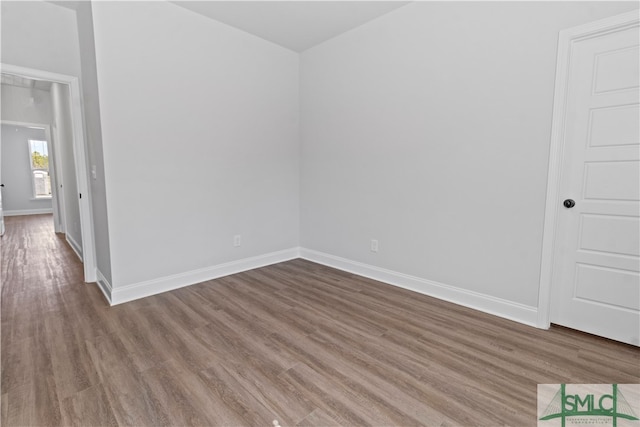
x=596 y=281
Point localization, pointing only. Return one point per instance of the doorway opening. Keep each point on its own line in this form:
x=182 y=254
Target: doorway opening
x=27 y=168
x=42 y=106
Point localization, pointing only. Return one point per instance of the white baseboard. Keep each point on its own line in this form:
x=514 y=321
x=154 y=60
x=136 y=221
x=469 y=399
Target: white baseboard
x=104 y=285
x=496 y=306
x=27 y=212
x=74 y=245
x=119 y=295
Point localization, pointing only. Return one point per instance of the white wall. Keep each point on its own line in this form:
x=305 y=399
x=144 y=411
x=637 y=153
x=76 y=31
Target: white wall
x=40 y=35
x=21 y=104
x=17 y=194
x=428 y=129
x=200 y=137
x=63 y=134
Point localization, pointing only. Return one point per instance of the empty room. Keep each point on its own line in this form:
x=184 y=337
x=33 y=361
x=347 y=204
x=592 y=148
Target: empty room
x=320 y=213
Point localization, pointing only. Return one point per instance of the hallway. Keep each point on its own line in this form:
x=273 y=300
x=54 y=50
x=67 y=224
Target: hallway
x=45 y=303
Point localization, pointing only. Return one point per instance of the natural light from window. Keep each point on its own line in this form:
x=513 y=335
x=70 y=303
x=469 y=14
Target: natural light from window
x=39 y=159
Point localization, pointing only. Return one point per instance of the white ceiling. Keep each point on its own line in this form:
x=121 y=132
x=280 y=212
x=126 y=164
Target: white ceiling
x=296 y=25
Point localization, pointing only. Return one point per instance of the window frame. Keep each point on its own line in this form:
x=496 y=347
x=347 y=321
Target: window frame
x=32 y=170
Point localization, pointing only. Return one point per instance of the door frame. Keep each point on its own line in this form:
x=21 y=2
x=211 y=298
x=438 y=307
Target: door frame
x=80 y=157
x=557 y=154
x=57 y=198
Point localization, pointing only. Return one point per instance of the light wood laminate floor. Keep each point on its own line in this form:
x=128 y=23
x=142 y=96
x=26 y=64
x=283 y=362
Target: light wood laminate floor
x=295 y=342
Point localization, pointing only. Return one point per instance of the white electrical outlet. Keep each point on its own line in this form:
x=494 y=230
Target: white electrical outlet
x=237 y=240
x=374 y=245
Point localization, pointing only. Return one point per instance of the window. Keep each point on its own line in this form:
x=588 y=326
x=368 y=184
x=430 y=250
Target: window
x=39 y=159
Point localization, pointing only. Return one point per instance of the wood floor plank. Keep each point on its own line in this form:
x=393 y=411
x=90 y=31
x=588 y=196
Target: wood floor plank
x=365 y=370
x=179 y=312
x=295 y=342
x=328 y=396
x=267 y=315
x=34 y=403
x=20 y=322
x=109 y=355
x=228 y=337
x=89 y=407
x=288 y=404
x=73 y=369
x=365 y=375
x=175 y=399
x=195 y=302
x=132 y=400
x=325 y=311
x=178 y=344
x=4 y=408
x=318 y=418
x=222 y=383
x=203 y=397
x=271 y=305
x=16 y=361
x=144 y=343
x=27 y=361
